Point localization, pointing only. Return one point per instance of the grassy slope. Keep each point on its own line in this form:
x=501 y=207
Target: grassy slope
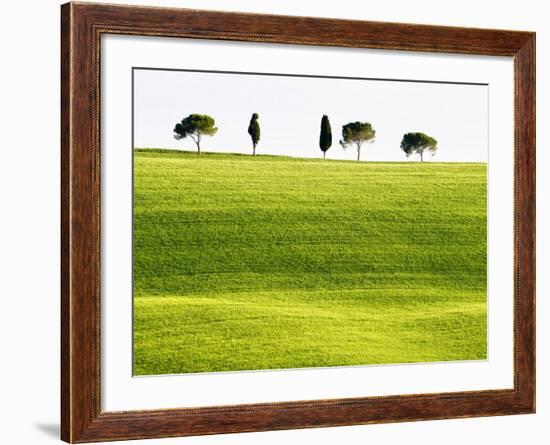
x=273 y=262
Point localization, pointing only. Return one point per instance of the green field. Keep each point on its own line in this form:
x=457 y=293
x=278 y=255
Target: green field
x=267 y=262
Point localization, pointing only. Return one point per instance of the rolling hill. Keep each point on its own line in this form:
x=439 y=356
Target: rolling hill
x=266 y=262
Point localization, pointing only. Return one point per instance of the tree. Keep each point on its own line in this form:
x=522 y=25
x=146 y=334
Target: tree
x=418 y=143
x=195 y=126
x=325 y=139
x=254 y=132
x=356 y=134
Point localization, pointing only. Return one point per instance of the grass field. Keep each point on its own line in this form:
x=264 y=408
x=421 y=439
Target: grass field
x=266 y=262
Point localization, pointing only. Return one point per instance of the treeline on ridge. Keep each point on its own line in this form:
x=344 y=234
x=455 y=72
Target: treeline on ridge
x=354 y=134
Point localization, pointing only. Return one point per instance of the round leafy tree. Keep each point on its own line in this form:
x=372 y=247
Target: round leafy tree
x=196 y=126
x=355 y=134
x=418 y=143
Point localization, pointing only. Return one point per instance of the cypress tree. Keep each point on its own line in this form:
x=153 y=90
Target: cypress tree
x=325 y=139
x=254 y=132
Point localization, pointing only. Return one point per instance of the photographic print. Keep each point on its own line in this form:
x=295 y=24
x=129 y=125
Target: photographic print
x=278 y=222
x=301 y=221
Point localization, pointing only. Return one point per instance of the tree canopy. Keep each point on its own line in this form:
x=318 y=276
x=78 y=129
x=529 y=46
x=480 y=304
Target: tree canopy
x=325 y=138
x=356 y=134
x=417 y=143
x=254 y=132
x=195 y=126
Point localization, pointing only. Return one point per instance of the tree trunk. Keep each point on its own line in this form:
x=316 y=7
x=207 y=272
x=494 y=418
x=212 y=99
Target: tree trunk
x=198 y=147
x=324 y=155
x=421 y=157
x=253 y=149
x=358 y=153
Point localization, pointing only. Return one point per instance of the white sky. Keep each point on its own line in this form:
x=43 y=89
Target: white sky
x=290 y=110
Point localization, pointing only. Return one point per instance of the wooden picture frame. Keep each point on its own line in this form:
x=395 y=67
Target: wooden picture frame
x=82 y=25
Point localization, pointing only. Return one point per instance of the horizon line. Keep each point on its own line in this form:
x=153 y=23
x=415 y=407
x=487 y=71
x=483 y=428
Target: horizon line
x=178 y=150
